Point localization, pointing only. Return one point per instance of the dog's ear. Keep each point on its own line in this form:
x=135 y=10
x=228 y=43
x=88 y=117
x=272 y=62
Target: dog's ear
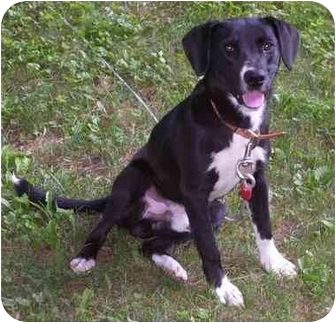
x=197 y=44
x=288 y=38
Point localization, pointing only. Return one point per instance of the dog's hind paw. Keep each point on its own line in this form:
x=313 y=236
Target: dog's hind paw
x=170 y=266
x=79 y=265
x=229 y=294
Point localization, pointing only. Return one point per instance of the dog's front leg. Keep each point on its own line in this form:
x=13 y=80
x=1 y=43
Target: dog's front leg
x=270 y=257
x=196 y=205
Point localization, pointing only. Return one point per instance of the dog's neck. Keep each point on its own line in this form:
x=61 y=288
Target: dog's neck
x=241 y=115
x=230 y=110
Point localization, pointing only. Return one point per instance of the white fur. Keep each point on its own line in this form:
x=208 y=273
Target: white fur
x=255 y=115
x=225 y=162
x=178 y=217
x=271 y=259
x=179 y=221
x=229 y=294
x=170 y=265
x=244 y=69
x=79 y=265
x=15 y=180
x=163 y=210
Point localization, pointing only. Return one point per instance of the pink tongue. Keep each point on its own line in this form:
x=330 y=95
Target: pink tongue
x=253 y=99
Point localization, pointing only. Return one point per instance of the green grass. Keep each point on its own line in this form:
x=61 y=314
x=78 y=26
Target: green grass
x=69 y=125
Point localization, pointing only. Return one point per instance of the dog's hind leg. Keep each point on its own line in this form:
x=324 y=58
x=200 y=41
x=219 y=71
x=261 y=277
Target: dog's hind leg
x=156 y=250
x=128 y=189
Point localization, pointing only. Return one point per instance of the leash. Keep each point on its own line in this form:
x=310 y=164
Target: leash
x=244 y=167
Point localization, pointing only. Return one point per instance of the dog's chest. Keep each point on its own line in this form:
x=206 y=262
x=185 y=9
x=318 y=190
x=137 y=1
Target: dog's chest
x=224 y=163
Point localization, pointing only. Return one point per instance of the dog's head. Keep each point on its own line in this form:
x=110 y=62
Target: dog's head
x=241 y=56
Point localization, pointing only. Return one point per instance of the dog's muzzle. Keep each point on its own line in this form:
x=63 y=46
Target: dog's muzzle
x=254 y=96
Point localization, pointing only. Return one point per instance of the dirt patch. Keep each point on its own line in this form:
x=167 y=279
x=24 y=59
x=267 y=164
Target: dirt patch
x=285 y=229
x=105 y=255
x=148 y=93
x=304 y=311
x=76 y=286
x=88 y=164
x=19 y=278
x=104 y=83
x=43 y=255
x=31 y=146
x=50 y=150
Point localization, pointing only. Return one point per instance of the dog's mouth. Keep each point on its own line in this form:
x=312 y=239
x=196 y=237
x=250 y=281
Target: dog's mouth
x=253 y=99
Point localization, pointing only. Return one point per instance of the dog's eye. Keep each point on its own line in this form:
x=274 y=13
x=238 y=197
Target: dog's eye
x=266 y=46
x=230 y=48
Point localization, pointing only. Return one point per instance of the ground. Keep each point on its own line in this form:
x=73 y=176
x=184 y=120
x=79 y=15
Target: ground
x=69 y=125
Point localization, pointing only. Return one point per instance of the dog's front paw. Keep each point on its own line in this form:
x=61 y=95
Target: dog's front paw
x=80 y=265
x=276 y=263
x=229 y=294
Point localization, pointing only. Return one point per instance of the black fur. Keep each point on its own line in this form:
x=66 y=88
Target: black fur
x=179 y=151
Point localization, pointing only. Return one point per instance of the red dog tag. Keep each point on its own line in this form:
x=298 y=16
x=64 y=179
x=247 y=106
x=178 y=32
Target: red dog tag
x=246 y=191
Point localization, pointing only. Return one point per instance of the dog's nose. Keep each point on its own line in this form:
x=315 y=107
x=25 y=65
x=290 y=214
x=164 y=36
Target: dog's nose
x=254 y=78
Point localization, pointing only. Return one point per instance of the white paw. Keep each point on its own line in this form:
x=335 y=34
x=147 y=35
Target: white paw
x=279 y=265
x=171 y=266
x=15 y=180
x=229 y=294
x=271 y=259
x=79 y=265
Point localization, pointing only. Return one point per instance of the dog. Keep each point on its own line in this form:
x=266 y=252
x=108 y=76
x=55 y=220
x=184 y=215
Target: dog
x=168 y=192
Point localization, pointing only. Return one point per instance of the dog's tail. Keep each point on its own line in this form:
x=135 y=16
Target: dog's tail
x=38 y=196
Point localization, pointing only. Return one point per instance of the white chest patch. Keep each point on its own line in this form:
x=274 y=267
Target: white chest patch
x=225 y=161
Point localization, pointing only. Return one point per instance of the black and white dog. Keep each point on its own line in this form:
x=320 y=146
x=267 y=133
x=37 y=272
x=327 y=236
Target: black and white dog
x=168 y=191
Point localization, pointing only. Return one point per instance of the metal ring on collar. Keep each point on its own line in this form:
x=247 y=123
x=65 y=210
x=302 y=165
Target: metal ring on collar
x=250 y=179
x=244 y=163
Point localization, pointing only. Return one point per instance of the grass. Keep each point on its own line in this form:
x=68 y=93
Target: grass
x=69 y=125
